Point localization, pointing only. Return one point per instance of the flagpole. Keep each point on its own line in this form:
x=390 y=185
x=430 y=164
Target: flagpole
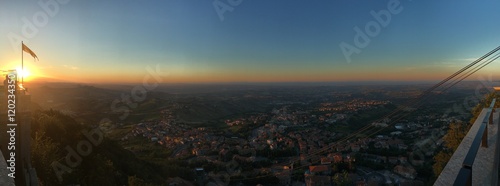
x=22 y=64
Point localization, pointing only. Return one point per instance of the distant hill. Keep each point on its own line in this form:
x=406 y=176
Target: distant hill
x=90 y=103
x=107 y=163
x=202 y=104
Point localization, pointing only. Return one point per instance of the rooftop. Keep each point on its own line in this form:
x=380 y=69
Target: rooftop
x=318 y=168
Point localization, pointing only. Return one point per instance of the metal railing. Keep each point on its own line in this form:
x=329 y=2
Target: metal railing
x=464 y=177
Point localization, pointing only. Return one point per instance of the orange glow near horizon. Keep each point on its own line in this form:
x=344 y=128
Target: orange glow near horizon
x=43 y=72
x=29 y=72
x=227 y=77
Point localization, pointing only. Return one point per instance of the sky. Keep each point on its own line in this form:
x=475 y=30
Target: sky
x=115 y=41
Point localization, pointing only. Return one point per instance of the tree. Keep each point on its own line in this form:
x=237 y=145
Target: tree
x=441 y=159
x=456 y=132
x=342 y=179
x=135 y=181
x=452 y=139
x=44 y=152
x=107 y=164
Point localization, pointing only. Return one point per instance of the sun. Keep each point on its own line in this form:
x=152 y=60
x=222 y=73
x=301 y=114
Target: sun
x=23 y=73
x=29 y=73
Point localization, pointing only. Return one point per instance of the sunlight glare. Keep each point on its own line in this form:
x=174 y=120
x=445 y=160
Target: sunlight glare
x=23 y=73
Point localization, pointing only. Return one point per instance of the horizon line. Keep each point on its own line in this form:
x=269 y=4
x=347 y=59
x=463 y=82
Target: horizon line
x=368 y=82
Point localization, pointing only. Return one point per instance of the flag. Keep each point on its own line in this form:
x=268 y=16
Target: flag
x=28 y=50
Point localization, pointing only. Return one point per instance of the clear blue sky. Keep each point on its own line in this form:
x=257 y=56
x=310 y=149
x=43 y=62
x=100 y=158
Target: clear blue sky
x=260 y=40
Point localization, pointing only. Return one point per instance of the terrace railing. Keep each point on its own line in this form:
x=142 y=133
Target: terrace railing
x=483 y=138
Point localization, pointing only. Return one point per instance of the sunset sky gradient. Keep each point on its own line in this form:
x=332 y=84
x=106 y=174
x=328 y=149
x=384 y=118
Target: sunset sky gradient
x=259 y=41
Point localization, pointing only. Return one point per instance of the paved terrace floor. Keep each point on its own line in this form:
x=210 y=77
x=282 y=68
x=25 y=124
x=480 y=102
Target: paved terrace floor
x=484 y=167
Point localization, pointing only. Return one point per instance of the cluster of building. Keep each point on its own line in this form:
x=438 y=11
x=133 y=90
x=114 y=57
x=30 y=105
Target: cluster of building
x=351 y=106
x=284 y=128
x=252 y=120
